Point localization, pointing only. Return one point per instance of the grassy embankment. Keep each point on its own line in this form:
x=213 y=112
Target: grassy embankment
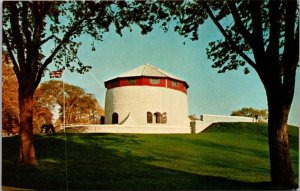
x=226 y=156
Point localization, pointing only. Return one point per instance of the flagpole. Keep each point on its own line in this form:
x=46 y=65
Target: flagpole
x=59 y=74
x=64 y=104
x=64 y=122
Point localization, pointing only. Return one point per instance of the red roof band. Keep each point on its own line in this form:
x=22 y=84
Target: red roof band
x=147 y=81
x=147 y=75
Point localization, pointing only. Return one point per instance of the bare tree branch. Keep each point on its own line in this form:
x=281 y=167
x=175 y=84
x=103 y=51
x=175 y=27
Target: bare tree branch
x=25 y=23
x=289 y=47
x=15 y=29
x=58 y=47
x=230 y=40
x=290 y=57
x=11 y=55
x=238 y=21
x=273 y=47
x=65 y=39
x=257 y=35
x=46 y=39
x=40 y=9
x=297 y=44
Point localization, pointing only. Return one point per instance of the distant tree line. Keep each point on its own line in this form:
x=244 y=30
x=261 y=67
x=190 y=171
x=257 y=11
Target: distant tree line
x=81 y=107
x=260 y=114
x=267 y=30
x=10 y=107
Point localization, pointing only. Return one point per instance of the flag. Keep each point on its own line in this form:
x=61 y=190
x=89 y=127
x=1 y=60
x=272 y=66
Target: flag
x=56 y=74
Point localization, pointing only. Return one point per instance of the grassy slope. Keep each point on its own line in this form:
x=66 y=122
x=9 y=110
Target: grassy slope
x=226 y=156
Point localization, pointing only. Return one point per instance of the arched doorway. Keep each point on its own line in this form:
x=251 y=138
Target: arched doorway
x=149 y=117
x=164 y=118
x=115 y=118
x=157 y=117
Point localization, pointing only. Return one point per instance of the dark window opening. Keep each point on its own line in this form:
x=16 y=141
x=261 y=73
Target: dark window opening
x=154 y=81
x=131 y=81
x=174 y=83
x=157 y=117
x=164 y=118
x=115 y=118
x=149 y=117
x=102 y=120
x=115 y=83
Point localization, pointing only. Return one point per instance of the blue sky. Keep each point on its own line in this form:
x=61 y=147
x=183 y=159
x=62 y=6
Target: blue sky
x=209 y=92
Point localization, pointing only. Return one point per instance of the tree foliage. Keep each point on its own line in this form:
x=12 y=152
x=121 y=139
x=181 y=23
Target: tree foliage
x=262 y=114
x=41 y=115
x=31 y=27
x=262 y=35
x=80 y=107
x=10 y=109
x=245 y=26
x=10 y=102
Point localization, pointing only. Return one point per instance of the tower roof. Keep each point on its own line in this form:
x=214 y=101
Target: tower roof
x=147 y=70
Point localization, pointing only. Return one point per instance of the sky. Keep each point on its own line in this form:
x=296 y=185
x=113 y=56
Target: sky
x=209 y=91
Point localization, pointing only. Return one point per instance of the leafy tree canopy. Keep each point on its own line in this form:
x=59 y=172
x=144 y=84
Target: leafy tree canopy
x=28 y=26
x=10 y=109
x=245 y=26
x=262 y=114
x=261 y=34
x=80 y=107
x=10 y=102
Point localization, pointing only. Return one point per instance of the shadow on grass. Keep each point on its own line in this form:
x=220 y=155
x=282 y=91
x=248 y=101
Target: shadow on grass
x=91 y=166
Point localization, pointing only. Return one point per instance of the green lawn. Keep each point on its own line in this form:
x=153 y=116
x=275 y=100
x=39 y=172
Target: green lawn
x=226 y=156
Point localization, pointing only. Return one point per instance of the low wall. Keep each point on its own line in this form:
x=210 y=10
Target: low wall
x=196 y=126
x=127 y=129
x=206 y=120
x=224 y=118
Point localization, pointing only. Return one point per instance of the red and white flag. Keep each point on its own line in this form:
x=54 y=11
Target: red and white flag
x=56 y=74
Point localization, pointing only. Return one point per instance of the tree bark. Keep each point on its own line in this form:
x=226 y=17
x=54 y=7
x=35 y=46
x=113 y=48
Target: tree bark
x=27 y=152
x=280 y=160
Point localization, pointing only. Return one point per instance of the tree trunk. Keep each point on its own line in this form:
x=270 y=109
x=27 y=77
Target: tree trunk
x=27 y=152
x=280 y=160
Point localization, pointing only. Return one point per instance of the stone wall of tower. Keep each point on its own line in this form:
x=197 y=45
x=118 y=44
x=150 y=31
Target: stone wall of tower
x=132 y=103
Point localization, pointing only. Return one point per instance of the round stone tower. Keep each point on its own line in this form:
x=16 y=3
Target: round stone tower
x=145 y=96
